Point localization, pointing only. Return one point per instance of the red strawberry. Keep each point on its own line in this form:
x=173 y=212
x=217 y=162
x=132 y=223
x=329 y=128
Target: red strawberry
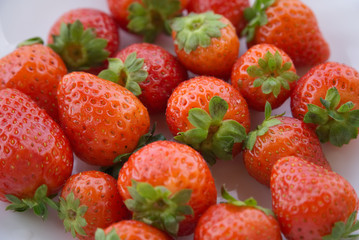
x=101 y=119
x=264 y=73
x=206 y=43
x=167 y=185
x=231 y=9
x=90 y=200
x=237 y=220
x=84 y=38
x=131 y=230
x=328 y=96
x=36 y=71
x=291 y=26
x=308 y=200
x=279 y=137
x=217 y=134
x=35 y=156
x=152 y=76
x=148 y=18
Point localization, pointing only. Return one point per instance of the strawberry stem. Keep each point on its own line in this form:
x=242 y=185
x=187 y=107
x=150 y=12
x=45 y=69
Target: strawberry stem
x=344 y=229
x=31 y=41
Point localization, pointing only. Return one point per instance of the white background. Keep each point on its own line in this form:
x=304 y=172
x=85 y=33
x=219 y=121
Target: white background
x=22 y=19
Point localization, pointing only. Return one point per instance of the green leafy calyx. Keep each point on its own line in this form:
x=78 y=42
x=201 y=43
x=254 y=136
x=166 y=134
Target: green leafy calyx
x=158 y=207
x=101 y=235
x=338 y=125
x=196 y=30
x=271 y=74
x=128 y=74
x=151 y=17
x=38 y=203
x=269 y=121
x=31 y=41
x=344 y=230
x=213 y=136
x=72 y=214
x=79 y=48
x=250 y=202
x=256 y=17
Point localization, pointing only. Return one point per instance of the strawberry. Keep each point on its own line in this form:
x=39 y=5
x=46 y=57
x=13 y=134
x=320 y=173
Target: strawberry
x=101 y=119
x=90 y=200
x=327 y=97
x=233 y=10
x=148 y=71
x=84 y=38
x=279 y=137
x=145 y=17
x=291 y=26
x=206 y=43
x=237 y=220
x=35 y=156
x=36 y=71
x=312 y=202
x=217 y=134
x=167 y=185
x=264 y=73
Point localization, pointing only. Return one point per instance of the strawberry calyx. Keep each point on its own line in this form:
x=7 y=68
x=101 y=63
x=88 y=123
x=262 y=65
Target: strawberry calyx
x=269 y=121
x=128 y=74
x=38 y=203
x=338 y=125
x=72 y=214
x=151 y=17
x=31 y=41
x=250 y=202
x=344 y=230
x=196 y=30
x=256 y=17
x=271 y=74
x=158 y=207
x=212 y=136
x=79 y=48
x=101 y=235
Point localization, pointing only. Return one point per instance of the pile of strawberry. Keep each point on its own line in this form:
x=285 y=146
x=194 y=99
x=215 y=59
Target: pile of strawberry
x=80 y=95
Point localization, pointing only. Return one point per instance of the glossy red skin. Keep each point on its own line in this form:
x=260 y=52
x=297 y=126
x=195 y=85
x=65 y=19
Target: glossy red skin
x=225 y=221
x=165 y=72
x=196 y=93
x=98 y=191
x=35 y=70
x=33 y=148
x=316 y=82
x=290 y=138
x=215 y=60
x=231 y=9
x=101 y=119
x=240 y=79
x=175 y=166
x=308 y=199
x=136 y=230
x=293 y=27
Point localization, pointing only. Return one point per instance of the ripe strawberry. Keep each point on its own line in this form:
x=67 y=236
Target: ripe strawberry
x=217 y=134
x=148 y=71
x=35 y=156
x=291 y=26
x=206 y=43
x=168 y=185
x=36 y=71
x=237 y=220
x=101 y=119
x=148 y=18
x=84 y=38
x=230 y=9
x=131 y=229
x=308 y=200
x=90 y=200
x=334 y=86
x=264 y=73
x=279 y=137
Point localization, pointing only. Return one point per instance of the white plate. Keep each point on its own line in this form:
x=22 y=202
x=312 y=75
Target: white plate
x=21 y=19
